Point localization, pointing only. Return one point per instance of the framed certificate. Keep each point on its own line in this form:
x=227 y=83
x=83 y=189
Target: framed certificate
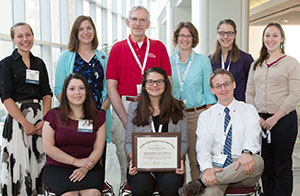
x=154 y=152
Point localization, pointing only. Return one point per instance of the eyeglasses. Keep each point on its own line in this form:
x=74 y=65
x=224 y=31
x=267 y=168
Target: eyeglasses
x=185 y=36
x=159 y=82
x=141 y=20
x=225 y=84
x=228 y=33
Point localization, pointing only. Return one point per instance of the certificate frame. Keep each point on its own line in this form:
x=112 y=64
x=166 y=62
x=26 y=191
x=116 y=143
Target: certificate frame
x=143 y=144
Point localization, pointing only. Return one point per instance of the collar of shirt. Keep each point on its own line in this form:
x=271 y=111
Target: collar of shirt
x=232 y=108
x=227 y=58
x=185 y=65
x=132 y=42
x=16 y=55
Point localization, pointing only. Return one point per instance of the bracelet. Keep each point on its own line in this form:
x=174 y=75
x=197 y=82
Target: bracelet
x=73 y=161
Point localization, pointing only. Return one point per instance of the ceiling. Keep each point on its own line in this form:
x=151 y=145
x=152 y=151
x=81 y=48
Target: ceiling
x=285 y=12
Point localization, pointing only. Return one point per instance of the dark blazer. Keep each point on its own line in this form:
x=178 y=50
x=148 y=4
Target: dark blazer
x=181 y=126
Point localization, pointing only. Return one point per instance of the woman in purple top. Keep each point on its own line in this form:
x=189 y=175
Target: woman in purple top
x=227 y=55
x=73 y=139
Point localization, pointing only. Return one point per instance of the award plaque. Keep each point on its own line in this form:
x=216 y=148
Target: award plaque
x=156 y=152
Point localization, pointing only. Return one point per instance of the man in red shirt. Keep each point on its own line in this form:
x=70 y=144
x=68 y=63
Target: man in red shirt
x=127 y=62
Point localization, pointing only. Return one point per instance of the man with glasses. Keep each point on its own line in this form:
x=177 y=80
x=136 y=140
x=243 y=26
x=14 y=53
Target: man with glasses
x=128 y=60
x=228 y=142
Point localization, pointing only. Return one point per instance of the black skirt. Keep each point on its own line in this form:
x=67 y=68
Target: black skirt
x=57 y=179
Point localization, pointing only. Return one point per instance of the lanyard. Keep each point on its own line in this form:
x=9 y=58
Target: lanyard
x=153 y=128
x=181 y=82
x=223 y=65
x=136 y=58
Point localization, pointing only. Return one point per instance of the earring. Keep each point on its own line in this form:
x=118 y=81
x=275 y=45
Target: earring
x=281 y=45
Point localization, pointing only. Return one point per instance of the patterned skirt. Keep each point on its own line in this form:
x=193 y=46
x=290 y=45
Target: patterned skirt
x=22 y=156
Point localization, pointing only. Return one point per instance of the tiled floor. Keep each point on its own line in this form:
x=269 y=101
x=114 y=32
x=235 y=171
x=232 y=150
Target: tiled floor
x=113 y=170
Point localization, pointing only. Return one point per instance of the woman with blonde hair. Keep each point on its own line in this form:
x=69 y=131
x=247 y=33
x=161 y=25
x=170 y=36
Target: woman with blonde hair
x=26 y=95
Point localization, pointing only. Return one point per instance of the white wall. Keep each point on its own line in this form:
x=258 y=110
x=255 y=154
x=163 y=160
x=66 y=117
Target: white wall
x=255 y=40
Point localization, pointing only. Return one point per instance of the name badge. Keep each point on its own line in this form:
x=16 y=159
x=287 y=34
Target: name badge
x=219 y=160
x=85 y=126
x=32 y=76
x=139 y=89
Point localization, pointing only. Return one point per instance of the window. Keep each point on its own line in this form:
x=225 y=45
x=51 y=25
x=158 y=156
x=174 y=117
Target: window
x=33 y=16
x=36 y=51
x=55 y=22
x=86 y=8
x=6 y=16
x=6 y=48
x=99 y=26
x=72 y=12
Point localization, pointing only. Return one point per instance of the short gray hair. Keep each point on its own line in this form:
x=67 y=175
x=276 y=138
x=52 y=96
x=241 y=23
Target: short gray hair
x=138 y=7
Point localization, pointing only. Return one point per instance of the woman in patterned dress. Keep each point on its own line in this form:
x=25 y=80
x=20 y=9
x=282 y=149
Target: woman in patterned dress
x=26 y=94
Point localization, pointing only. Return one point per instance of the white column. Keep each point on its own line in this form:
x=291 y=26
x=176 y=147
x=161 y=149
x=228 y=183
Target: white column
x=245 y=25
x=170 y=26
x=206 y=15
x=200 y=19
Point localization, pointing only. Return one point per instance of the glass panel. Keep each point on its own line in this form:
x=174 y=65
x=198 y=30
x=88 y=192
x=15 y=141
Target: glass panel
x=72 y=12
x=99 y=26
x=119 y=27
x=55 y=54
x=36 y=51
x=86 y=8
x=109 y=27
x=33 y=16
x=6 y=48
x=6 y=16
x=55 y=22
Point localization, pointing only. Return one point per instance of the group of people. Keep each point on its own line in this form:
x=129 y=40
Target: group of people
x=203 y=98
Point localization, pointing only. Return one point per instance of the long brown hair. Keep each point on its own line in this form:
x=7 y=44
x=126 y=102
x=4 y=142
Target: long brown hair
x=263 y=54
x=89 y=107
x=170 y=108
x=73 y=44
x=235 y=53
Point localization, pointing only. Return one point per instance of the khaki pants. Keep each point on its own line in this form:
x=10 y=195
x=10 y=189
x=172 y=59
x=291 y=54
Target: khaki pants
x=236 y=178
x=192 y=119
x=118 y=138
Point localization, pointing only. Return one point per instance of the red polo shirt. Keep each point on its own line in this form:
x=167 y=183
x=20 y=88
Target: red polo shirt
x=122 y=66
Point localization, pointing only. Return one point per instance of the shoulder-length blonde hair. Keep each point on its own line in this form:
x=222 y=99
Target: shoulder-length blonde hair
x=73 y=44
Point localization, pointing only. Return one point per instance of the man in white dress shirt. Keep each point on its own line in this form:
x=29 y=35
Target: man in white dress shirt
x=228 y=142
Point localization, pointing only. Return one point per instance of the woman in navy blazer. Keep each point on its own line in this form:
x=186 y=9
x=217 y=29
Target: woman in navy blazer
x=156 y=111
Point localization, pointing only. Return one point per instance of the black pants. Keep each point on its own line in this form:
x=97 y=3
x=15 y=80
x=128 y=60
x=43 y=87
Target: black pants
x=143 y=183
x=277 y=177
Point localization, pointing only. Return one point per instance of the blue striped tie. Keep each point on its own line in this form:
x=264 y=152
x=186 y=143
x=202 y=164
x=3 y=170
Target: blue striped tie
x=227 y=146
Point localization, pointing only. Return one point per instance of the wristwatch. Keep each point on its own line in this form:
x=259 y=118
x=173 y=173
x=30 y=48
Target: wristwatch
x=247 y=151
